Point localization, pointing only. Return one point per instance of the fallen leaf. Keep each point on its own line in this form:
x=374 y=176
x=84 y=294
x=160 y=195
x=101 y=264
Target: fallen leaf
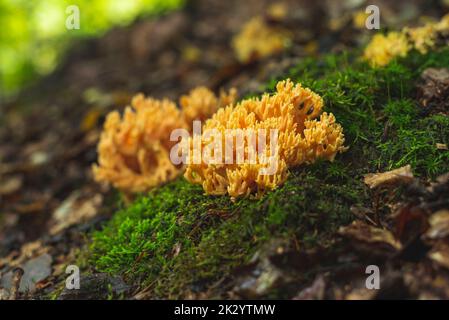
x=393 y=177
x=439 y=225
x=39 y=158
x=176 y=249
x=360 y=231
x=10 y=185
x=36 y=206
x=27 y=251
x=442 y=146
x=440 y=254
x=433 y=92
x=74 y=210
x=410 y=221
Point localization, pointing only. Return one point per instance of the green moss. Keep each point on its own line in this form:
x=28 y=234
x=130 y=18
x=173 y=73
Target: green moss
x=177 y=239
x=213 y=235
x=376 y=107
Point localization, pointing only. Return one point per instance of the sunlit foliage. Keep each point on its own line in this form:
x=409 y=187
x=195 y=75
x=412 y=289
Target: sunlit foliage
x=33 y=35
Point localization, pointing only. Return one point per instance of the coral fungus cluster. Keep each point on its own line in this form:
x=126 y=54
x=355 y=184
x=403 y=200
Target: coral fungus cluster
x=383 y=48
x=201 y=103
x=133 y=152
x=257 y=39
x=305 y=134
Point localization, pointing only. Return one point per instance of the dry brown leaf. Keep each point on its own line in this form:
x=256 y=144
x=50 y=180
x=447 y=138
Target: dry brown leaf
x=439 y=225
x=410 y=221
x=27 y=251
x=75 y=209
x=442 y=146
x=176 y=249
x=10 y=185
x=440 y=254
x=361 y=231
x=433 y=91
x=393 y=177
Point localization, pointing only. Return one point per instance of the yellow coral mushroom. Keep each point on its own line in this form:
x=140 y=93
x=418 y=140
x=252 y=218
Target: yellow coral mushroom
x=292 y=112
x=359 y=19
x=383 y=48
x=201 y=103
x=258 y=40
x=443 y=24
x=134 y=150
x=422 y=38
x=277 y=11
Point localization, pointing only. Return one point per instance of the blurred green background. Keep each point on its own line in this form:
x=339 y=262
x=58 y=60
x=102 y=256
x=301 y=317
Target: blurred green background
x=33 y=35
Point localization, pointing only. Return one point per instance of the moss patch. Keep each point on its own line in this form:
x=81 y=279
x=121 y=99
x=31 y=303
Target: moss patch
x=177 y=239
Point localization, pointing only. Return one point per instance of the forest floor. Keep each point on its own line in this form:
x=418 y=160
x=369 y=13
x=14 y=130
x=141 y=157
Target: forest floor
x=311 y=238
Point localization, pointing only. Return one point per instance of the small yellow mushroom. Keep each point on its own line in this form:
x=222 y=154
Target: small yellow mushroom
x=422 y=38
x=201 y=103
x=258 y=40
x=383 y=48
